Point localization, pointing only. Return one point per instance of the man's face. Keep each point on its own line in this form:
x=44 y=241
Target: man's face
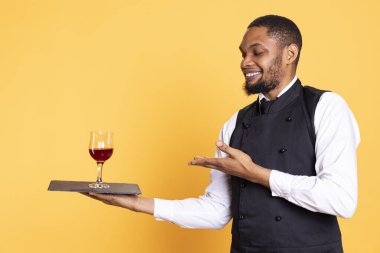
x=262 y=61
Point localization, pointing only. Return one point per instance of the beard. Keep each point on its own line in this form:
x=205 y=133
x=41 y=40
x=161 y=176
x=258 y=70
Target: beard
x=265 y=85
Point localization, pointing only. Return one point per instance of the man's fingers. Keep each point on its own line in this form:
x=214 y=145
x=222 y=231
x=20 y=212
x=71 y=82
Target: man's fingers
x=232 y=152
x=98 y=197
x=200 y=160
x=106 y=197
x=212 y=163
x=88 y=195
x=198 y=157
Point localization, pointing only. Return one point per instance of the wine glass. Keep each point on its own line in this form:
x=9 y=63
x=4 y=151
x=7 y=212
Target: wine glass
x=101 y=149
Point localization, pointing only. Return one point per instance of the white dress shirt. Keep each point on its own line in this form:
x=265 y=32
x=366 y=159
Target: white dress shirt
x=332 y=191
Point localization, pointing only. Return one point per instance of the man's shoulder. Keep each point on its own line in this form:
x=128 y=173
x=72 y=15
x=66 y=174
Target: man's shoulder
x=319 y=95
x=312 y=95
x=332 y=101
x=313 y=89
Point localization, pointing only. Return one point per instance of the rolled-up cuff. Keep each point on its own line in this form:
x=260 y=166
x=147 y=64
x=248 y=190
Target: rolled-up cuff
x=163 y=209
x=280 y=184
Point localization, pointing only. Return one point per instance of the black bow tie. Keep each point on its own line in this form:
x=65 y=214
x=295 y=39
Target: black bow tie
x=266 y=105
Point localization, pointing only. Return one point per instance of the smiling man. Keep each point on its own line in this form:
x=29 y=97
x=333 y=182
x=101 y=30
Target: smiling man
x=286 y=164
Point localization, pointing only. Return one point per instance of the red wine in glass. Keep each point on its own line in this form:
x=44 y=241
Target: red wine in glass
x=101 y=155
x=101 y=149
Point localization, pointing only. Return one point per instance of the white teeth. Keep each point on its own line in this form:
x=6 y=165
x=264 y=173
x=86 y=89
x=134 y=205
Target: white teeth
x=252 y=74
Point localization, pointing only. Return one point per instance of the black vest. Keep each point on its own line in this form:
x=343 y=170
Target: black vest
x=282 y=139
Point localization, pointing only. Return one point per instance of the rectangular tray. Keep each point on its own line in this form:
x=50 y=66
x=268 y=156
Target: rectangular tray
x=80 y=186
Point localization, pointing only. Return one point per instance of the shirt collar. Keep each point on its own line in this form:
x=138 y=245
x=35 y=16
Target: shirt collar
x=285 y=89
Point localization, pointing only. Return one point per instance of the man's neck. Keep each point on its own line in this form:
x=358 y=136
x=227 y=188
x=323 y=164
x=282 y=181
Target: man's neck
x=281 y=89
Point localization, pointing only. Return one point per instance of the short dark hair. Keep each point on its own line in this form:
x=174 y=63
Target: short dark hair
x=282 y=29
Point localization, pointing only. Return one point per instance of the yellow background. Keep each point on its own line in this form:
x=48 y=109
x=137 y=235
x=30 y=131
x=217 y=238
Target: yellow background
x=164 y=76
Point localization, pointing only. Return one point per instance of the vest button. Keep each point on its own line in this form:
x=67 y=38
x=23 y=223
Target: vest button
x=241 y=217
x=242 y=185
x=278 y=218
x=246 y=125
x=288 y=119
x=283 y=150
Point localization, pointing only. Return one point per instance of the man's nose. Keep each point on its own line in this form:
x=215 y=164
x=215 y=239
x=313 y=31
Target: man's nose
x=246 y=62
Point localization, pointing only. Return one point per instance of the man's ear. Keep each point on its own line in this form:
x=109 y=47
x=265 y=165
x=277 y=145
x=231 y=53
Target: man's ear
x=291 y=53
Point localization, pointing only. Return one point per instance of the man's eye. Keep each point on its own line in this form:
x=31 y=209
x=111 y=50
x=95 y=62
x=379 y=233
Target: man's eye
x=257 y=53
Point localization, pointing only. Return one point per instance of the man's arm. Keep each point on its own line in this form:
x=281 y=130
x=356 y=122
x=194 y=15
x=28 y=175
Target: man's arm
x=334 y=189
x=210 y=211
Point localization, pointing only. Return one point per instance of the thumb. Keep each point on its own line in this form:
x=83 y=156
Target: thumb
x=227 y=149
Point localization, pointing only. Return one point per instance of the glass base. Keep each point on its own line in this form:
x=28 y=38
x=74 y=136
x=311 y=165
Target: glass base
x=99 y=186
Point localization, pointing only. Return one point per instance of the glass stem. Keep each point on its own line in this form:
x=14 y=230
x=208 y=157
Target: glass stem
x=100 y=167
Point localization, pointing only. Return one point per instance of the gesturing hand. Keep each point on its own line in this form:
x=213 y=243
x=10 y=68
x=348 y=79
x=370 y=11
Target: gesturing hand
x=237 y=164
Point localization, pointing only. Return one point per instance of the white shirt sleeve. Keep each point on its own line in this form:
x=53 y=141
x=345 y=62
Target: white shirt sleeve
x=212 y=210
x=334 y=188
